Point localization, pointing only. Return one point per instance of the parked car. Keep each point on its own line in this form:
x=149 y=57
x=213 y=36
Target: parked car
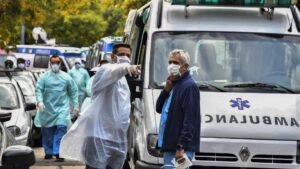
x=27 y=81
x=13 y=156
x=12 y=100
x=37 y=72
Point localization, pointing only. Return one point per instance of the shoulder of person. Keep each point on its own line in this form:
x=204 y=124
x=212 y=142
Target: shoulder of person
x=83 y=70
x=189 y=84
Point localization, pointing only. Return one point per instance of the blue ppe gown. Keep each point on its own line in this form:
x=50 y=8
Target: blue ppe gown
x=87 y=100
x=55 y=90
x=81 y=78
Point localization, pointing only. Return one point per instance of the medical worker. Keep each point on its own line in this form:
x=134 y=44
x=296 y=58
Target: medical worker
x=9 y=64
x=81 y=78
x=55 y=90
x=21 y=64
x=99 y=136
x=87 y=100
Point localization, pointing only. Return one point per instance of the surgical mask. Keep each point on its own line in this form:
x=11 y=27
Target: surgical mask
x=55 y=68
x=21 y=65
x=123 y=59
x=174 y=69
x=77 y=66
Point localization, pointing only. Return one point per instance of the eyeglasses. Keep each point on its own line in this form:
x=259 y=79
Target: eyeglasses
x=124 y=54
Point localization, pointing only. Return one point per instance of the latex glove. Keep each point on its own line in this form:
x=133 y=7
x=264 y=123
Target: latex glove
x=133 y=70
x=41 y=106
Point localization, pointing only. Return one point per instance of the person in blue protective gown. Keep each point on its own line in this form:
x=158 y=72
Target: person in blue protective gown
x=81 y=78
x=87 y=100
x=99 y=136
x=55 y=90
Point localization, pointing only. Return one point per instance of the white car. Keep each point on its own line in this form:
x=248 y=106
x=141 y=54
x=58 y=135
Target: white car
x=13 y=156
x=13 y=101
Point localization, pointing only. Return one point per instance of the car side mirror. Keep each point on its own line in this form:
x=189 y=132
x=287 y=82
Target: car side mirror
x=30 y=106
x=5 y=117
x=18 y=157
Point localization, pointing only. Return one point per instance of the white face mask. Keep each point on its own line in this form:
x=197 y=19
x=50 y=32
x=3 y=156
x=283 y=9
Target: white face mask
x=123 y=59
x=174 y=70
x=55 y=68
x=21 y=65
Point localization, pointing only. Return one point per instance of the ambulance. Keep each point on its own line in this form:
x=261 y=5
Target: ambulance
x=38 y=56
x=245 y=58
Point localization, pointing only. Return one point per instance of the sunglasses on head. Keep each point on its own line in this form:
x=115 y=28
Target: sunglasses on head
x=124 y=54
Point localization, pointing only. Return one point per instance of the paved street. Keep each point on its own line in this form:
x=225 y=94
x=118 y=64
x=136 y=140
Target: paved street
x=51 y=164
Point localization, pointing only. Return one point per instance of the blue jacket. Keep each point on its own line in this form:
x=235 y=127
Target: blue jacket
x=183 y=121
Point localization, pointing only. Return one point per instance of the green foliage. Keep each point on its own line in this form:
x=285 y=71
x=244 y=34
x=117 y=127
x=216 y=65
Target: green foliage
x=74 y=22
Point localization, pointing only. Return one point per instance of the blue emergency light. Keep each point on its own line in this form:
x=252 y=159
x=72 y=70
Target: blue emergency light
x=246 y=3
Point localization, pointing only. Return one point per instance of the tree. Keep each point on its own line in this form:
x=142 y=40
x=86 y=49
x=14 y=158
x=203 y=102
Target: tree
x=73 y=22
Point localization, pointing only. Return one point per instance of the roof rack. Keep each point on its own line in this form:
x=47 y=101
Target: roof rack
x=240 y=3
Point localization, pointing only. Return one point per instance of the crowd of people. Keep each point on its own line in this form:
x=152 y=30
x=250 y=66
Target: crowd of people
x=97 y=134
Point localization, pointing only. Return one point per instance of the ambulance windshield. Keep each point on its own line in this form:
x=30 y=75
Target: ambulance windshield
x=231 y=58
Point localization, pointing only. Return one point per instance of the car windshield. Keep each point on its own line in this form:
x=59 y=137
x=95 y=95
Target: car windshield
x=26 y=85
x=3 y=58
x=222 y=59
x=8 y=97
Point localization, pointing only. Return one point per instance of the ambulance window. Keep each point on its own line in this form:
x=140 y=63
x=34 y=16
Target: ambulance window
x=41 y=61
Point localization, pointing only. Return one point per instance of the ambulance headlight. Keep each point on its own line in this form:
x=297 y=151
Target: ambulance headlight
x=151 y=145
x=298 y=152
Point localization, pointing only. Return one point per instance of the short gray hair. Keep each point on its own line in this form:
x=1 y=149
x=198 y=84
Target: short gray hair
x=184 y=54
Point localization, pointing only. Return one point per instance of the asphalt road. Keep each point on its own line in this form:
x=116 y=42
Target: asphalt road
x=52 y=164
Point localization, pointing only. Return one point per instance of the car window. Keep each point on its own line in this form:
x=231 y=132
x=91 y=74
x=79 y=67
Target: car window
x=41 y=61
x=3 y=58
x=8 y=97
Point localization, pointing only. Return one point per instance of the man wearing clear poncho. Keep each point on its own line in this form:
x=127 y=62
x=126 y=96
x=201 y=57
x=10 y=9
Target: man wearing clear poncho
x=99 y=136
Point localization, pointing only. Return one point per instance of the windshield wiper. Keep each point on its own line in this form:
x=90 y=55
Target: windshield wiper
x=207 y=85
x=259 y=85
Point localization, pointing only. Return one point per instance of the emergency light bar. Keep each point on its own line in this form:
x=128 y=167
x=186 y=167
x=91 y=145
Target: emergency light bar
x=245 y=3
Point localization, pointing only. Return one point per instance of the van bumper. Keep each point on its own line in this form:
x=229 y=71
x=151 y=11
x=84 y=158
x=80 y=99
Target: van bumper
x=143 y=165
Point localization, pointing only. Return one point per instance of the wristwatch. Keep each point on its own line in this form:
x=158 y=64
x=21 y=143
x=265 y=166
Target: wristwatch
x=179 y=146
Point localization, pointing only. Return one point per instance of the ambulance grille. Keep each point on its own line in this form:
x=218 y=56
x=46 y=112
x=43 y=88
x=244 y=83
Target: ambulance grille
x=215 y=157
x=280 y=159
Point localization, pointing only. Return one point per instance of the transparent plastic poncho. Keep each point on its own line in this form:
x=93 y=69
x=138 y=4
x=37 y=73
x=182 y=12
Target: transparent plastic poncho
x=99 y=136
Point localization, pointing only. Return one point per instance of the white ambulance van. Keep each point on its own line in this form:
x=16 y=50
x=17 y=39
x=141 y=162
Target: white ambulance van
x=38 y=56
x=245 y=57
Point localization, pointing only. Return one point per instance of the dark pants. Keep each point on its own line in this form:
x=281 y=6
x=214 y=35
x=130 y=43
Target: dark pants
x=51 y=137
